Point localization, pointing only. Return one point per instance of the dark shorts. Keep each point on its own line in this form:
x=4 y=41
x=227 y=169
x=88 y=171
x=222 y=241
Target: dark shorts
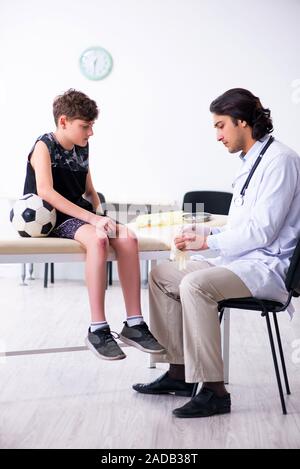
x=68 y=228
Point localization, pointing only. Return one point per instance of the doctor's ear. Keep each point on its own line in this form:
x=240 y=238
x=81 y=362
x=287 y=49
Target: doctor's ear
x=243 y=123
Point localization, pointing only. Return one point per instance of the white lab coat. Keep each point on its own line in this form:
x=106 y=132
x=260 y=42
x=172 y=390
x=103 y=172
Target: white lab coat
x=261 y=235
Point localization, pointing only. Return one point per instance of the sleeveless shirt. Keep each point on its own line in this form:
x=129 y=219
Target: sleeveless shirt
x=69 y=171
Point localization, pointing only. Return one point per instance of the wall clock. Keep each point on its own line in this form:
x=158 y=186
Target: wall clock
x=95 y=63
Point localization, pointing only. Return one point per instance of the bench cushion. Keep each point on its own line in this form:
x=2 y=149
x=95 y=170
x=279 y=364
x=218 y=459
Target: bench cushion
x=150 y=239
x=66 y=246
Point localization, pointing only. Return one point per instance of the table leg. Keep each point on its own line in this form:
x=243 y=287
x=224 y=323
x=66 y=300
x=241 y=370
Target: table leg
x=145 y=272
x=31 y=271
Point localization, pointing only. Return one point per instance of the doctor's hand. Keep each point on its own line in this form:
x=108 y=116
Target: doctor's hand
x=190 y=241
x=197 y=228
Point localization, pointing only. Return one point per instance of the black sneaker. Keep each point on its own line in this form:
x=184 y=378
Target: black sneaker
x=102 y=344
x=140 y=337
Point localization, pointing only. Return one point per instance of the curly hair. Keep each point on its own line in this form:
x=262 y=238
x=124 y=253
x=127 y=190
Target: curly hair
x=241 y=104
x=75 y=105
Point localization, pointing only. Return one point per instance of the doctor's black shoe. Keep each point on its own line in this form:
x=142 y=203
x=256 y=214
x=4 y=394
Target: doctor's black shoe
x=165 y=385
x=140 y=337
x=204 y=404
x=103 y=345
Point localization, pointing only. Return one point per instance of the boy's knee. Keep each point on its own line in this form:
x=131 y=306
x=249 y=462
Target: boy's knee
x=128 y=242
x=101 y=242
x=132 y=240
x=124 y=233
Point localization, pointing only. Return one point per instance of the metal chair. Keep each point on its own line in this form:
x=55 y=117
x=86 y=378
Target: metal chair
x=214 y=202
x=266 y=306
x=46 y=273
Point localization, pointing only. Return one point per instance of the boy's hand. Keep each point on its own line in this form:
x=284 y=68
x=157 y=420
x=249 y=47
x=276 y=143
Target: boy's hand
x=190 y=241
x=104 y=224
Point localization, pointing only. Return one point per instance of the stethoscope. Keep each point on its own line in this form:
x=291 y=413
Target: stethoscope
x=238 y=201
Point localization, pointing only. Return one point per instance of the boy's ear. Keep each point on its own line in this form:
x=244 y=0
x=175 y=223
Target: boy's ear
x=62 y=120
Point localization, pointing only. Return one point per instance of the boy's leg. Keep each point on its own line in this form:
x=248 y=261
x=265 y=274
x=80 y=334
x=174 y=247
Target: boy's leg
x=125 y=246
x=95 y=268
x=135 y=331
x=99 y=339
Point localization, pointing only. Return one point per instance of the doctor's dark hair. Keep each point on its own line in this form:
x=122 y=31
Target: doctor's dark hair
x=75 y=105
x=239 y=103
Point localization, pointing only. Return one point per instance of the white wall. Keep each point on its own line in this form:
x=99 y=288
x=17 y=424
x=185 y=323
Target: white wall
x=154 y=139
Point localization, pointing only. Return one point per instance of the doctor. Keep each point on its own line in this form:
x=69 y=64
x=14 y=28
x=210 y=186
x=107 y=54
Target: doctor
x=253 y=252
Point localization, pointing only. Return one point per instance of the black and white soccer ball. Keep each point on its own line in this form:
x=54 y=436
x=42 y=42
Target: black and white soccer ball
x=32 y=216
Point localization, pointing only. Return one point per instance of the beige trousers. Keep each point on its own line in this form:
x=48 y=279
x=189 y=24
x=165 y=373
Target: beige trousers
x=184 y=315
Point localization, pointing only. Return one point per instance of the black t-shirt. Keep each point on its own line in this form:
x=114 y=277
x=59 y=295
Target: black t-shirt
x=69 y=172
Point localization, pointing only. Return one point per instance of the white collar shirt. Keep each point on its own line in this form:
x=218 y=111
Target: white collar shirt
x=261 y=235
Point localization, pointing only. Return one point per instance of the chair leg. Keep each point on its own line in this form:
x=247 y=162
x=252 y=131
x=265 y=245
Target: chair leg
x=52 y=272
x=226 y=338
x=109 y=266
x=287 y=386
x=221 y=315
x=46 y=275
x=226 y=343
x=23 y=275
x=275 y=363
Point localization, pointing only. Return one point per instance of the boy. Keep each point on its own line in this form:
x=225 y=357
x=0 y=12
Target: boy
x=58 y=171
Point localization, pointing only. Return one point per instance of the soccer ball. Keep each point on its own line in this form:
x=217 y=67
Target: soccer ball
x=33 y=216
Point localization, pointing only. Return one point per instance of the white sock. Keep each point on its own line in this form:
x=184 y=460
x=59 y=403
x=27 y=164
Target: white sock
x=98 y=325
x=134 y=320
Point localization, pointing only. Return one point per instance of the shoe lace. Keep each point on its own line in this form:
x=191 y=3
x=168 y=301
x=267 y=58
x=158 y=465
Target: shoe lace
x=110 y=336
x=116 y=336
x=146 y=331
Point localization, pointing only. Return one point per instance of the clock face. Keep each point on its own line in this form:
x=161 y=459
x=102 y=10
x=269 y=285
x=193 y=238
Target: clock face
x=95 y=63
